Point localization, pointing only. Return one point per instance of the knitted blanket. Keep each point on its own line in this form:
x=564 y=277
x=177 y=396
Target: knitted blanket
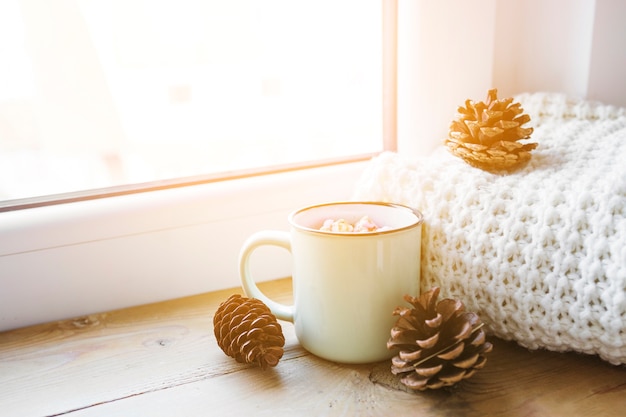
x=539 y=254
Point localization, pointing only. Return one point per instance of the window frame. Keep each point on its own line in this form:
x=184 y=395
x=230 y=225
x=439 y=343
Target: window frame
x=389 y=140
x=68 y=260
x=80 y=253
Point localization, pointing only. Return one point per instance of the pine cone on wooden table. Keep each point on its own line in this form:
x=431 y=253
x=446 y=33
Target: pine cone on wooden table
x=246 y=330
x=439 y=342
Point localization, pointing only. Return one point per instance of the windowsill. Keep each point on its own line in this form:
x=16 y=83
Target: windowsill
x=98 y=255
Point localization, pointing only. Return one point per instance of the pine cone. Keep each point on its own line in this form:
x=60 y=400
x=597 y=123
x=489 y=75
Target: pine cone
x=439 y=342
x=486 y=135
x=246 y=330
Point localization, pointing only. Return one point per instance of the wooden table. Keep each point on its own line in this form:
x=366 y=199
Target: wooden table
x=162 y=360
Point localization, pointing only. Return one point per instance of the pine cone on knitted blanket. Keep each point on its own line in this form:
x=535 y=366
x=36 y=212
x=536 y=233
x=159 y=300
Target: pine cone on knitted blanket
x=246 y=330
x=486 y=135
x=439 y=342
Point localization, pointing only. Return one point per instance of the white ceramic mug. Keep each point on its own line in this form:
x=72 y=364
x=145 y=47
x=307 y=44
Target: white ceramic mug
x=346 y=285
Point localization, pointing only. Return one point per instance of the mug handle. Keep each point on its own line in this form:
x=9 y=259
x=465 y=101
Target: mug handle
x=258 y=239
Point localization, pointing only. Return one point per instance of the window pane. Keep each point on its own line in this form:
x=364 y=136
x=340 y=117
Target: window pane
x=99 y=93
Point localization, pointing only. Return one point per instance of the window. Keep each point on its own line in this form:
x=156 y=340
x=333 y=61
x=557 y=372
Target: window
x=64 y=260
x=109 y=93
x=97 y=254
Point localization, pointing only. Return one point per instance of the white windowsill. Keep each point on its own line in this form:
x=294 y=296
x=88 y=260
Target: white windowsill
x=80 y=258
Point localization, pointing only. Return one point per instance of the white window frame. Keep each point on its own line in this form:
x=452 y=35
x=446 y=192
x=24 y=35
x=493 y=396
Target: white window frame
x=67 y=260
x=98 y=254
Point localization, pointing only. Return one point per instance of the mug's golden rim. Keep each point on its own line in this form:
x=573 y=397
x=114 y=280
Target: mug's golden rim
x=419 y=216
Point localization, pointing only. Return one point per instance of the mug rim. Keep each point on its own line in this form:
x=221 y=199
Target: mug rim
x=418 y=215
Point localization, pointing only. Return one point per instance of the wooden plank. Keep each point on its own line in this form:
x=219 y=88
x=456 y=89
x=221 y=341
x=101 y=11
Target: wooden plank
x=304 y=386
x=162 y=359
x=516 y=382
x=72 y=364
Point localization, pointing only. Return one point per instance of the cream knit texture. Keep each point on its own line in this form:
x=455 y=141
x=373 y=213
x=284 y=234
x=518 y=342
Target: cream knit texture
x=540 y=253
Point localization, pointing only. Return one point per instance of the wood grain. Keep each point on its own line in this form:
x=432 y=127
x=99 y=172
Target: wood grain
x=162 y=360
